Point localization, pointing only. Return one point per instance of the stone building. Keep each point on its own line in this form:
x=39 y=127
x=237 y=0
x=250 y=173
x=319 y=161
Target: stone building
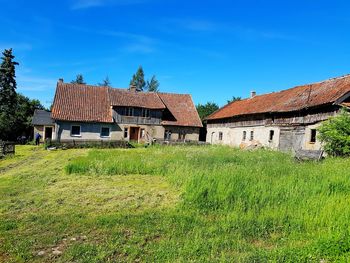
x=285 y=120
x=94 y=113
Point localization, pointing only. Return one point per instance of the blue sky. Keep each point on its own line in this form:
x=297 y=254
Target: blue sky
x=211 y=49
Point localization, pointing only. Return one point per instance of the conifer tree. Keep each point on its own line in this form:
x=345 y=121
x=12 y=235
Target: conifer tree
x=79 y=80
x=8 y=95
x=138 y=79
x=106 y=82
x=153 y=85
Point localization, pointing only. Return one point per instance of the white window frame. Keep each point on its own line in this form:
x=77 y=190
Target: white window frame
x=75 y=135
x=145 y=113
x=109 y=132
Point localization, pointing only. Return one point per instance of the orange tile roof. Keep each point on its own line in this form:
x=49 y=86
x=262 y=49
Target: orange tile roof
x=76 y=102
x=84 y=103
x=126 y=98
x=294 y=99
x=182 y=108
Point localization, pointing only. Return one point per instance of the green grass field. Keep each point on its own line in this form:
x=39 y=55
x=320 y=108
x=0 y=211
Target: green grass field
x=172 y=204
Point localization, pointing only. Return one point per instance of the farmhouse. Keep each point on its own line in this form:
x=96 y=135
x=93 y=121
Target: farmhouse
x=94 y=113
x=285 y=120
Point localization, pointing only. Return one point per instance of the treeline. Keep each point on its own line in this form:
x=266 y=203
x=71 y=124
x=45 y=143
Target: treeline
x=16 y=110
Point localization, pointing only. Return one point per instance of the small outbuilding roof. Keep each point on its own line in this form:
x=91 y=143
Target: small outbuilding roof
x=42 y=117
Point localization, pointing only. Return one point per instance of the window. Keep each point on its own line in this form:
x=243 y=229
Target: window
x=167 y=135
x=143 y=133
x=129 y=111
x=272 y=133
x=126 y=131
x=252 y=135
x=105 y=132
x=75 y=130
x=244 y=137
x=182 y=135
x=220 y=136
x=146 y=113
x=313 y=136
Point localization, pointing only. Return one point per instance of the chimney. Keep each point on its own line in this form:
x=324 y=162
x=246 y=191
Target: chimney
x=252 y=94
x=132 y=88
x=60 y=80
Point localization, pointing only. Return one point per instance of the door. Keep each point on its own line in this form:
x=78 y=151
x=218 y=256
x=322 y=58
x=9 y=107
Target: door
x=48 y=133
x=134 y=133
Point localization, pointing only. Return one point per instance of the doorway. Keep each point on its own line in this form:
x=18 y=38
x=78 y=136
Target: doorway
x=48 y=133
x=134 y=133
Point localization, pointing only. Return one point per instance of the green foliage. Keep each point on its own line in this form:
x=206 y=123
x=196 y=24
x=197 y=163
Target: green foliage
x=334 y=133
x=234 y=99
x=204 y=110
x=138 y=79
x=152 y=85
x=106 y=82
x=79 y=79
x=8 y=94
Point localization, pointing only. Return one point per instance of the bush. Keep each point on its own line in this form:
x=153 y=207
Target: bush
x=335 y=134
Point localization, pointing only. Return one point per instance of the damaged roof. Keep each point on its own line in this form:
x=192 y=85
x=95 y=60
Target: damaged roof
x=294 y=99
x=85 y=103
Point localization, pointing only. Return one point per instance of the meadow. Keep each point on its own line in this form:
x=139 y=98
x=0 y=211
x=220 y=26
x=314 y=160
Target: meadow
x=172 y=204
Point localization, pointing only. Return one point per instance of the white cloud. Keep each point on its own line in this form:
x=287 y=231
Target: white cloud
x=30 y=83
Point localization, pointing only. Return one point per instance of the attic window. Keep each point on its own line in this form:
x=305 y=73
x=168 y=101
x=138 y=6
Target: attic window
x=313 y=136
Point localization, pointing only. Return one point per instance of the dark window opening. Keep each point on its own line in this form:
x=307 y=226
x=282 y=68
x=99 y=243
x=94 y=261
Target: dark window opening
x=146 y=113
x=129 y=111
x=313 y=136
x=167 y=135
x=182 y=135
x=75 y=130
x=272 y=133
x=244 y=135
x=220 y=136
x=105 y=132
x=126 y=131
x=252 y=135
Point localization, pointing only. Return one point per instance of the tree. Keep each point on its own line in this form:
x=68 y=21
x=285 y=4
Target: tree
x=106 y=82
x=79 y=79
x=153 y=85
x=234 y=99
x=138 y=79
x=8 y=83
x=206 y=109
x=334 y=134
x=8 y=93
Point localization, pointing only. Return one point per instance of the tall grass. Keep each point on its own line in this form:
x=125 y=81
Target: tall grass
x=302 y=209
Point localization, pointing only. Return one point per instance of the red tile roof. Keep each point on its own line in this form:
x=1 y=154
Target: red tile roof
x=182 y=108
x=75 y=102
x=294 y=99
x=126 y=98
x=84 y=103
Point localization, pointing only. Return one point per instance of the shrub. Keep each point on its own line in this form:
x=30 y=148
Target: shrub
x=335 y=134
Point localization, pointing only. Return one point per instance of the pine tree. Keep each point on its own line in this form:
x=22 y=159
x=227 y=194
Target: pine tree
x=79 y=79
x=8 y=95
x=106 y=82
x=153 y=85
x=8 y=83
x=138 y=79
